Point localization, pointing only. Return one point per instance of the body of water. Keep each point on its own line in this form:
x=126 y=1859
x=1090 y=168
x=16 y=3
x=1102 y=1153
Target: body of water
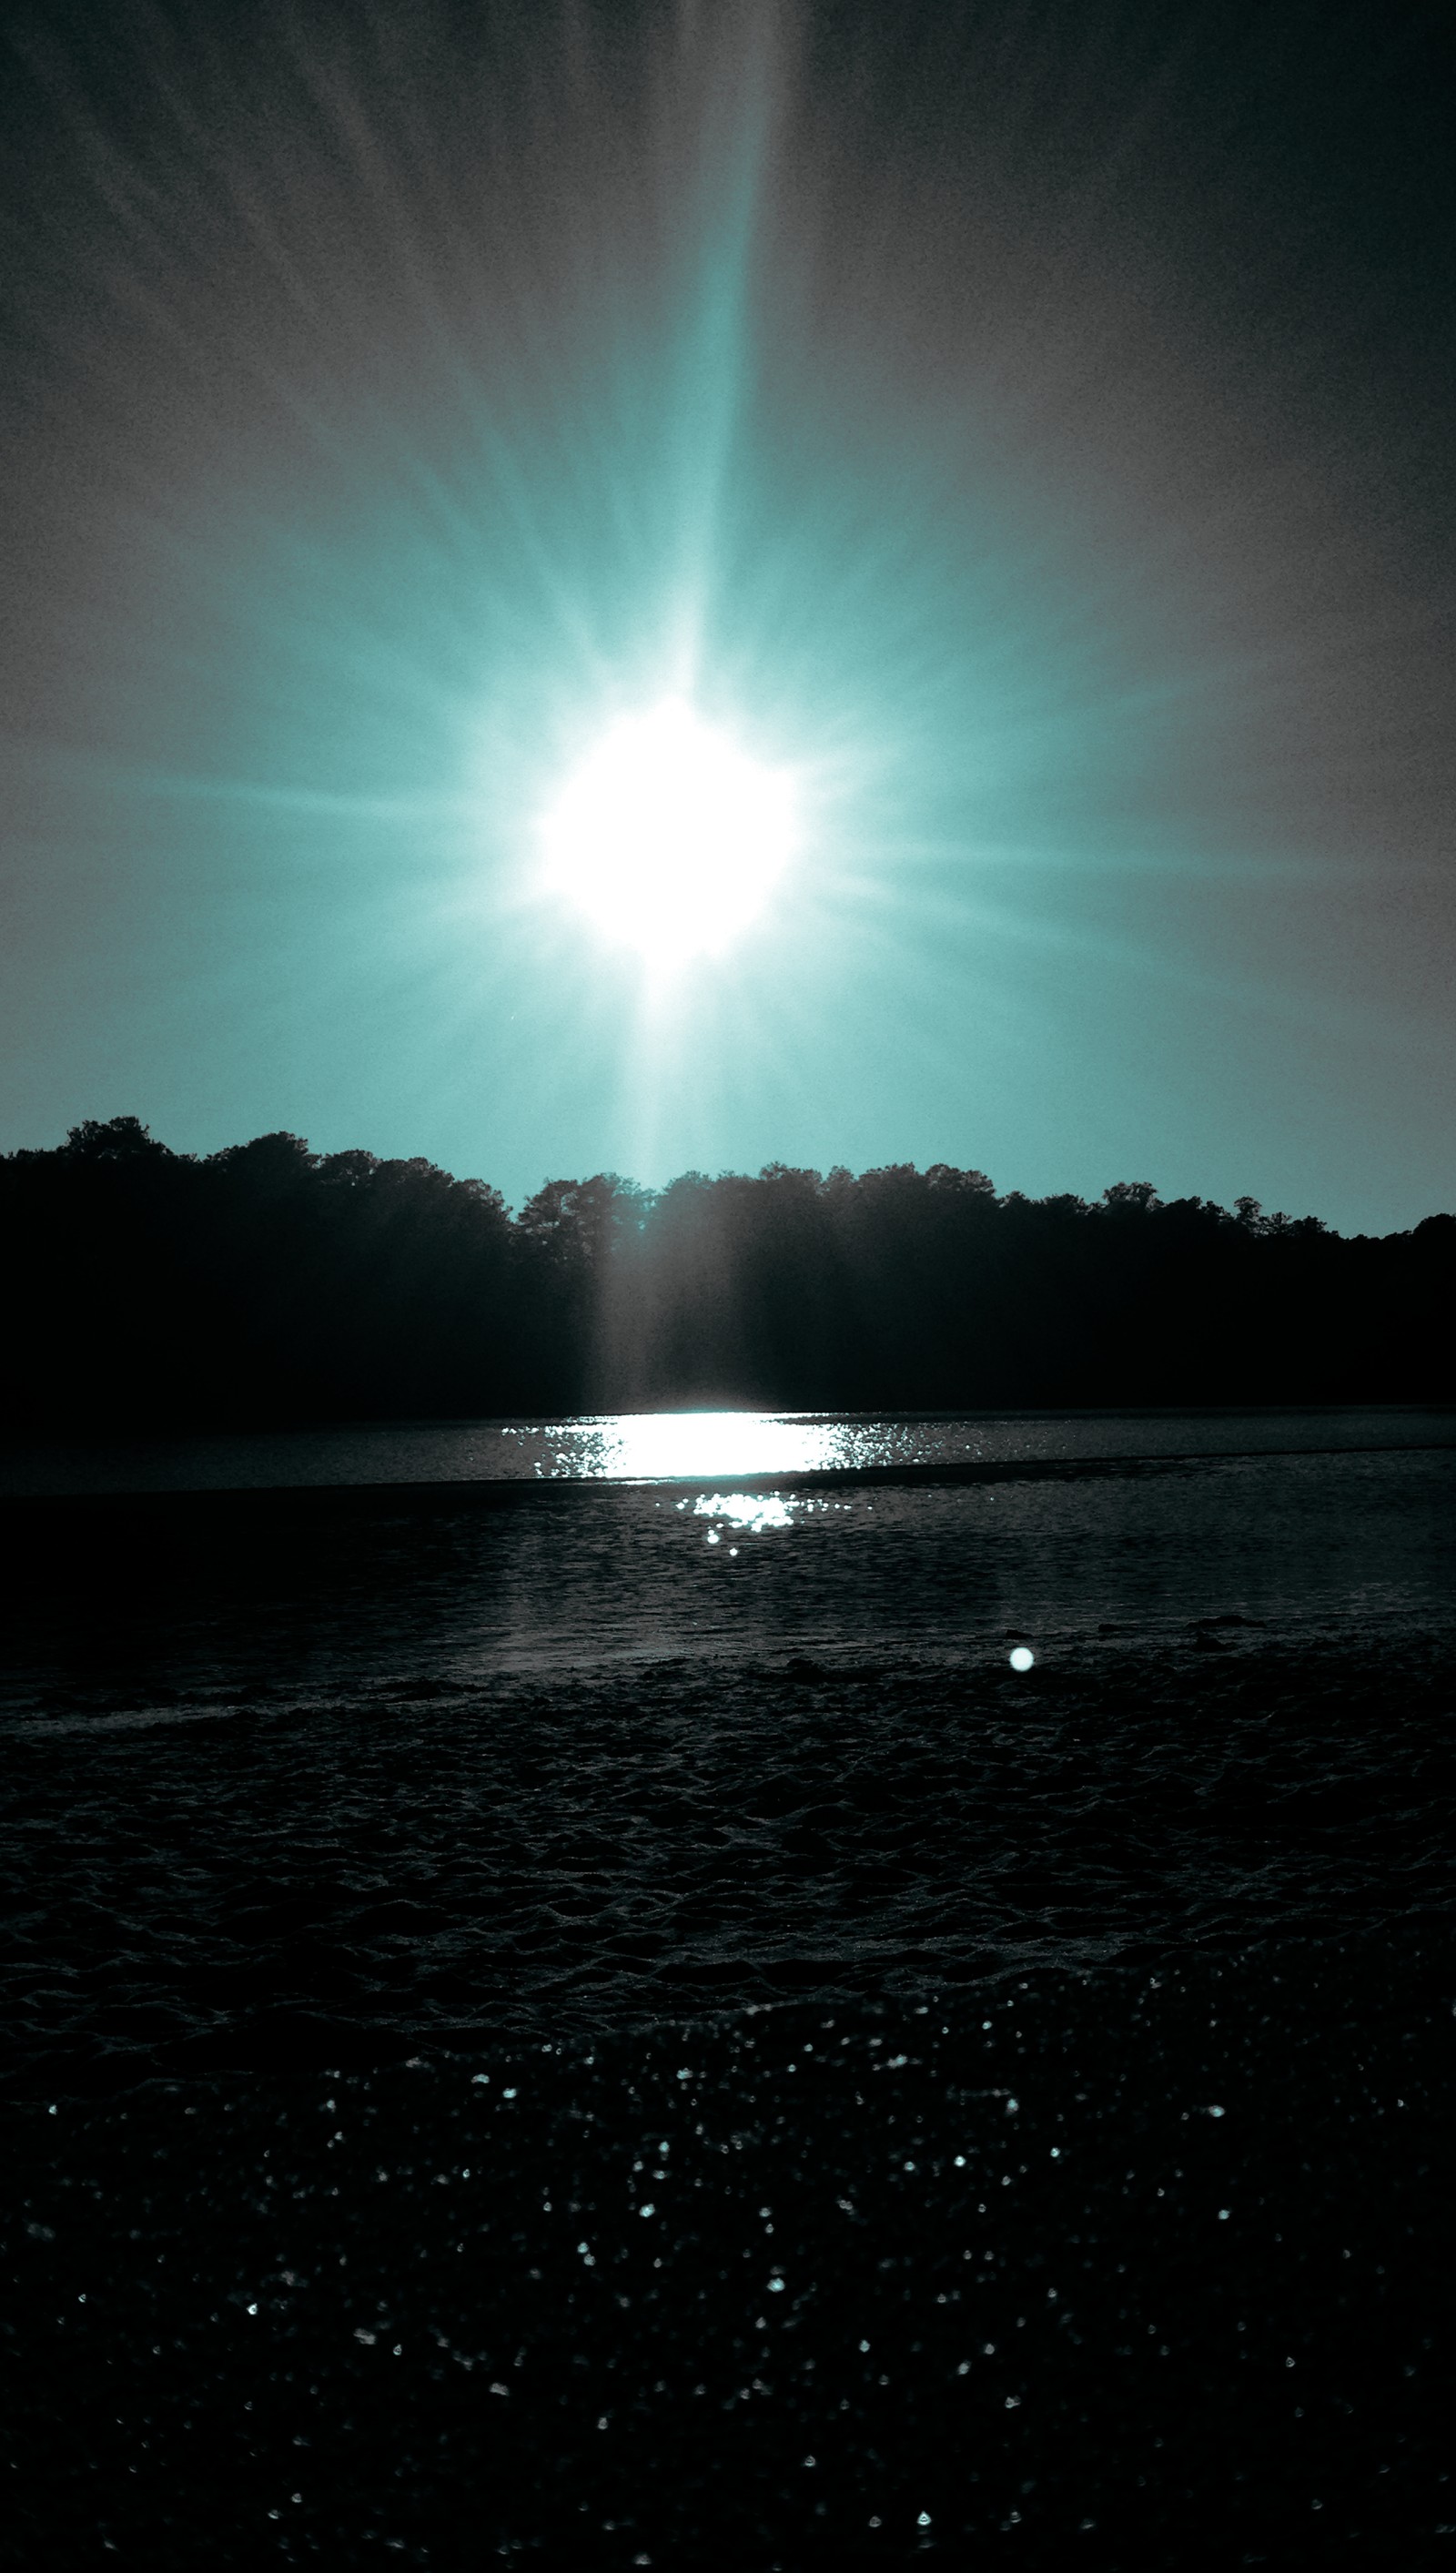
x=691 y=1446
x=171 y=1601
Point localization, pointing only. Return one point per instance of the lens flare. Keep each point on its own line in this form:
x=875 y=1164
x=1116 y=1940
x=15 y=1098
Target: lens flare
x=669 y=836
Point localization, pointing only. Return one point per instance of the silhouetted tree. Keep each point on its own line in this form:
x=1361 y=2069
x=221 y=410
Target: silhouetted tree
x=271 y=1282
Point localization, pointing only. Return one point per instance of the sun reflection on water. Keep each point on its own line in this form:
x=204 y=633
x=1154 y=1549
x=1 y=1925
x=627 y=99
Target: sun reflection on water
x=754 y=1511
x=702 y=1446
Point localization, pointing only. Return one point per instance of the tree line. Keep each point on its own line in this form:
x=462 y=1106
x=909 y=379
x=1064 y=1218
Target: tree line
x=267 y=1283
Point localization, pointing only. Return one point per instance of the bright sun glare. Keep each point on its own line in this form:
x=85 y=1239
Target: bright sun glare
x=670 y=837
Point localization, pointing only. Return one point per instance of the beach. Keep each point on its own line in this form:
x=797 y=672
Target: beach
x=484 y=2085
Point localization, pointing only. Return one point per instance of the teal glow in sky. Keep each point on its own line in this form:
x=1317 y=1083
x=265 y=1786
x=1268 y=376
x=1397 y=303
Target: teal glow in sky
x=1005 y=464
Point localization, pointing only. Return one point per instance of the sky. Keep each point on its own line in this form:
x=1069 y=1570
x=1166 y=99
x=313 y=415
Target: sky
x=1027 y=432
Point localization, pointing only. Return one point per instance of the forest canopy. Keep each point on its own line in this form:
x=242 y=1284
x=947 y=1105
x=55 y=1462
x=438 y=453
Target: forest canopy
x=267 y=1283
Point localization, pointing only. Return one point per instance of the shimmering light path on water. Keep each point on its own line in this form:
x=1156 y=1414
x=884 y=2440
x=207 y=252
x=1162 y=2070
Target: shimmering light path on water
x=693 y=1446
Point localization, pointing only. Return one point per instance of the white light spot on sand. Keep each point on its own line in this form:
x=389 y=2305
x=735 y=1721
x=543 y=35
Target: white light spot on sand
x=1021 y=1657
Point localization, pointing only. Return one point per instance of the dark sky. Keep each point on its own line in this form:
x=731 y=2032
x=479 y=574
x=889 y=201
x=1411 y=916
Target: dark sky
x=1030 y=426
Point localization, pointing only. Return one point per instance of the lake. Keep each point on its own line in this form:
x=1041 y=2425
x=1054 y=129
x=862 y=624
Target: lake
x=691 y=1446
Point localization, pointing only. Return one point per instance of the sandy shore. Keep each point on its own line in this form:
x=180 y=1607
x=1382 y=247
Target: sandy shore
x=1140 y=2268
x=775 y=2109
x=223 y=1881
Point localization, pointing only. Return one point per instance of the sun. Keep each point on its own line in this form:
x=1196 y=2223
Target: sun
x=669 y=836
